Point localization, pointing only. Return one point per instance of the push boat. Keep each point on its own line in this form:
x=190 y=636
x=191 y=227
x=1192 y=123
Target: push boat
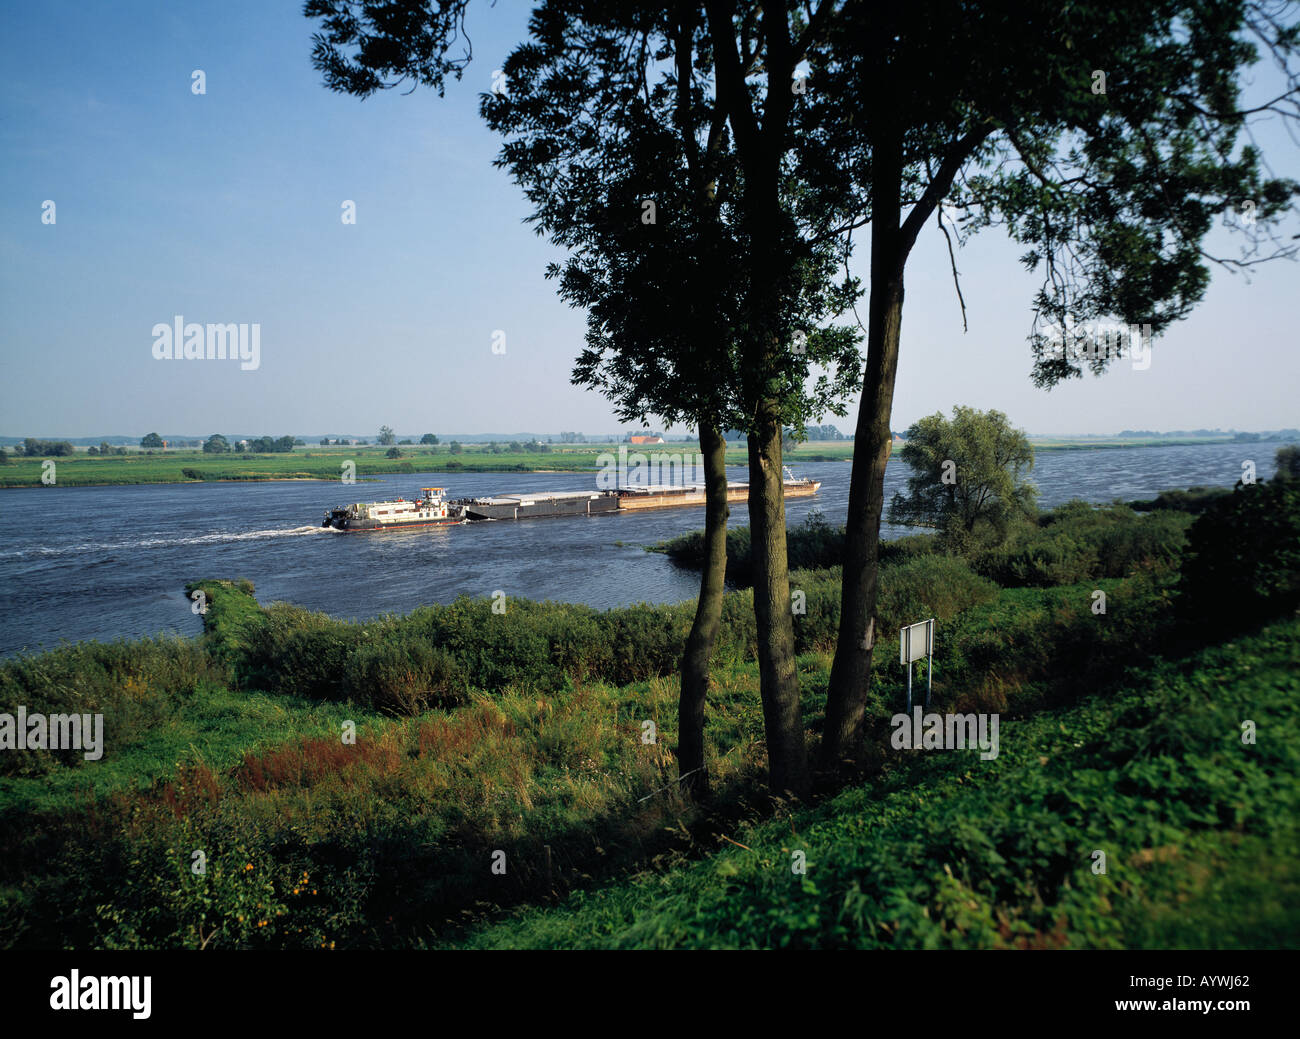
x=431 y=509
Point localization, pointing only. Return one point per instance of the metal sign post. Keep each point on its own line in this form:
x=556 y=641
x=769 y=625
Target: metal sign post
x=914 y=642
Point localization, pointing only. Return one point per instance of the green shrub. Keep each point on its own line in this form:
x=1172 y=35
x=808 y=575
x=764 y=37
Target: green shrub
x=1243 y=562
x=135 y=685
x=1077 y=542
x=403 y=676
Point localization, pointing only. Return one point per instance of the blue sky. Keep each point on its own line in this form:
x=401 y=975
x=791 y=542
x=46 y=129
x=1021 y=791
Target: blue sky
x=226 y=207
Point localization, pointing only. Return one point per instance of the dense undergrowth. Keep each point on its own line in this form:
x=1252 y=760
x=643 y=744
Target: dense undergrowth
x=524 y=733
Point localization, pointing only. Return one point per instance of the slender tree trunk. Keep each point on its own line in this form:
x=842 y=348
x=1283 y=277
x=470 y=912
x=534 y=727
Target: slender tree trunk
x=786 y=750
x=851 y=670
x=708 y=616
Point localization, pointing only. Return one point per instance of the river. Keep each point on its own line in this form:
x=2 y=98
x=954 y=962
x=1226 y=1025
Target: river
x=109 y=562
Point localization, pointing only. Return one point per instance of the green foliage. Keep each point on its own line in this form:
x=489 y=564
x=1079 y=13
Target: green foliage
x=1288 y=462
x=813 y=545
x=136 y=686
x=968 y=472
x=1243 y=561
x=1077 y=542
x=949 y=851
x=33 y=448
x=1194 y=500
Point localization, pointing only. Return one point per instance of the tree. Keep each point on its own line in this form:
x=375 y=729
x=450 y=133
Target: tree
x=215 y=444
x=968 y=472
x=324 y=441
x=1288 y=462
x=151 y=440
x=1242 y=562
x=428 y=438
x=997 y=114
x=393 y=452
x=456 y=447
x=653 y=211
x=386 y=435
x=655 y=205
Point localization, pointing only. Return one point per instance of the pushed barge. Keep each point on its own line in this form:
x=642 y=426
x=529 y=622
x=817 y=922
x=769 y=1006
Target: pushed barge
x=667 y=496
x=429 y=510
x=528 y=506
x=433 y=510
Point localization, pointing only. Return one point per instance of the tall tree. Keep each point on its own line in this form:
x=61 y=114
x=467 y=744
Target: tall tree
x=1105 y=138
x=613 y=130
x=967 y=472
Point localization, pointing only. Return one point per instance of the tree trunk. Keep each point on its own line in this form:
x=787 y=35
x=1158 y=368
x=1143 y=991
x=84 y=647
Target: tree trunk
x=708 y=616
x=786 y=751
x=851 y=670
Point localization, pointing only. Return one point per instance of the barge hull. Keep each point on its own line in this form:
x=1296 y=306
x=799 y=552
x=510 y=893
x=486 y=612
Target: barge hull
x=736 y=492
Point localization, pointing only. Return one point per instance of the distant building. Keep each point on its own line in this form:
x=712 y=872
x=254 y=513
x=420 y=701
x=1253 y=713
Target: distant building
x=645 y=440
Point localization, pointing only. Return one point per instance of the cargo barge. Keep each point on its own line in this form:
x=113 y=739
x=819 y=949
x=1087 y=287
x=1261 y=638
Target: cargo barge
x=433 y=510
x=429 y=510
x=530 y=506
x=668 y=496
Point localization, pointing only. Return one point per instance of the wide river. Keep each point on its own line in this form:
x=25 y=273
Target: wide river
x=108 y=562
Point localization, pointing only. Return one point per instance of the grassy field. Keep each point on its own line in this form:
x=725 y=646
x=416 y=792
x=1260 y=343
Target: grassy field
x=325 y=463
x=305 y=463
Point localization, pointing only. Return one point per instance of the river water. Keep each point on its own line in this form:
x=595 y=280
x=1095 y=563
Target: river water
x=108 y=562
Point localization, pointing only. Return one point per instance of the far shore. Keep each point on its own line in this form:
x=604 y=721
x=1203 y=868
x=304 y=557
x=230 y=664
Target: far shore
x=324 y=464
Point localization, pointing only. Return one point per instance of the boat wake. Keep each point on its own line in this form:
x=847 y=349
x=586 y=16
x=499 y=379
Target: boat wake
x=215 y=538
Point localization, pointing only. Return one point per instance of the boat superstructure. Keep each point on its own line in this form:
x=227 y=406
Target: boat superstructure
x=431 y=509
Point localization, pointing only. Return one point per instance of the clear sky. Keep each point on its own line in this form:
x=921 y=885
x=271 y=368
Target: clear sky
x=226 y=207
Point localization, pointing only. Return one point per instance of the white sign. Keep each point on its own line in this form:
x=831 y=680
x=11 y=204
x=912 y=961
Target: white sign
x=916 y=641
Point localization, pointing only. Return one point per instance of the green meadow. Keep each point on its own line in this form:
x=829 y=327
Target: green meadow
x=325 y=463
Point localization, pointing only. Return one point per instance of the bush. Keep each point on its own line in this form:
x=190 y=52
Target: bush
x=405 y=676
x=1078 y=542
x=1243 y=557
x=813 y=545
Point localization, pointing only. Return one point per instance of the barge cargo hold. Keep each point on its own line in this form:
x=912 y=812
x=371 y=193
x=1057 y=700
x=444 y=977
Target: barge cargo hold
x=530 y=506
x=668 y=496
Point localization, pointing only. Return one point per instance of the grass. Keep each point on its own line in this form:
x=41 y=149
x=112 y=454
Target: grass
x=948 y=851
x=526 y=734
x=304 y=463
x=315 y=462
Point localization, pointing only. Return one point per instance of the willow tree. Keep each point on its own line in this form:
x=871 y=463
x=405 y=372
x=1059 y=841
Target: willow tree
x=1105 y=138
x=614 y=131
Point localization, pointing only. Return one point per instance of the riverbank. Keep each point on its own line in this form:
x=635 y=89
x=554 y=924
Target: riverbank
x=327 y=463
x=524 y=733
